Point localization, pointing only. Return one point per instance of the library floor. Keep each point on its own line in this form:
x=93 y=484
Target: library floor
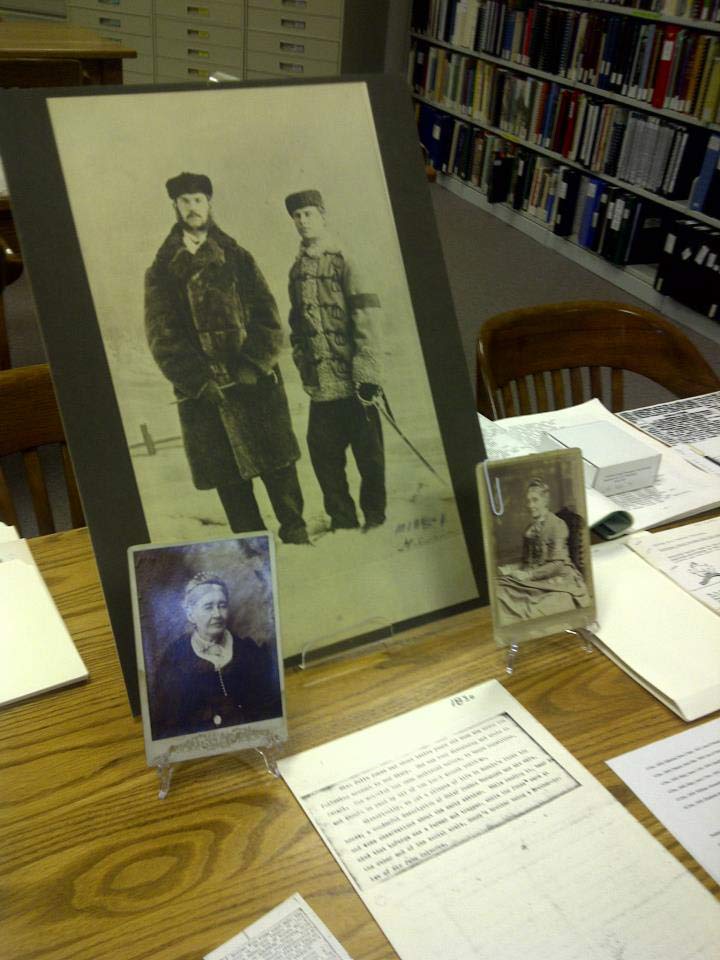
x=493 y=267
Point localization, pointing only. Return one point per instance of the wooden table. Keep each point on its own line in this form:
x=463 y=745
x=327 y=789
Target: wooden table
x=94 y=866
x=36 y=40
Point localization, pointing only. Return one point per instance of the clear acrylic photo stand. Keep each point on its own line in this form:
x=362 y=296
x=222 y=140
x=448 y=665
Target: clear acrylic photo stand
x=585 y=634
x=269 y=751
x=366 y=634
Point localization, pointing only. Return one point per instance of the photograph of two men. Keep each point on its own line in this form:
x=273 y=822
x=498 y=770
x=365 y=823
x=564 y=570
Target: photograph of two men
x=248 y=286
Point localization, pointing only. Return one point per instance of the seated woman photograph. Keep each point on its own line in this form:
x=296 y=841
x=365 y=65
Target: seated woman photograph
x=546 y=581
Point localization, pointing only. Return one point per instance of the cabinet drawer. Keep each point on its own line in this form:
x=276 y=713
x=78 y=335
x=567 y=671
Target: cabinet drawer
x=123 y=23
x=294 y=24
x=202 y=11
x=311 y=8
x=143 y=64
x=203 y=32
x=143 y=46
x=280 y=45
x=200 y=52
x=130 y=77
x=174 y=70
x=281 y=66
x=142 y=8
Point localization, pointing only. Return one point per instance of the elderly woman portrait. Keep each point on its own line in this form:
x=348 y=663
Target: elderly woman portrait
x=208 y=678
x=545 y=581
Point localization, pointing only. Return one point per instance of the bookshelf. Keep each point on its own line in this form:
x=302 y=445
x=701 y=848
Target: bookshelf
x=555 y=81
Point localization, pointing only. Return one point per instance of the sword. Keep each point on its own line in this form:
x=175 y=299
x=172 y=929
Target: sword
x=387 y=414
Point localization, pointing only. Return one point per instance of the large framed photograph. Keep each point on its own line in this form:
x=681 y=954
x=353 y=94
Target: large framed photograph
x=208 y=648
x=249 y=325
x=537 y=545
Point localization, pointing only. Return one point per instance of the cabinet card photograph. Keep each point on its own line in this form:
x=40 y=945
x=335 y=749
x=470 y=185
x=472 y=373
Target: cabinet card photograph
x=208 y=646
x=262 y=337
x=537 y=544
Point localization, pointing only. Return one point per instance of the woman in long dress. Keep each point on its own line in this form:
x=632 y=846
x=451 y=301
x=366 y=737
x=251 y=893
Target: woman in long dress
x=546 y=582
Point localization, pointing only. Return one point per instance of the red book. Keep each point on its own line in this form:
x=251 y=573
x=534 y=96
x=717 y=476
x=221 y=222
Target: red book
x=670 y=32
x=561 y=112
x=527 y=36
x=567 y=140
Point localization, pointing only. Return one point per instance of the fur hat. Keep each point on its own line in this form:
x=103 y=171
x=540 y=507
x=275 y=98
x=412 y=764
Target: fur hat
x=188 y=183
x=305 y=198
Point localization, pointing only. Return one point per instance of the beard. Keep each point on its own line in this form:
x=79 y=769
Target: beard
x=193 y=221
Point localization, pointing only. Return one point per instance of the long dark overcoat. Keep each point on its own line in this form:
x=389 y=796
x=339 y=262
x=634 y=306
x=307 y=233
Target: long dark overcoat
x=210 y=316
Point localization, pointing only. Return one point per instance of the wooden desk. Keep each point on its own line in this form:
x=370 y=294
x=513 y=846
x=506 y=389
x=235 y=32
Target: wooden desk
x=95 y=866
x=100 y=60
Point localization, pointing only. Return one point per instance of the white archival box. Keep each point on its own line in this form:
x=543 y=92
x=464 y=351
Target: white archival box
x=613 y=461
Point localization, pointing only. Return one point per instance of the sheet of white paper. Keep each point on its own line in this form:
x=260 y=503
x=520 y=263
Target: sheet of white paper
x=16 y=550
x=679 y=421
x=292 y=931
x=679 y=491
x=36 y=650
x=471 y=833
x=7 y=533
x=678 y=779
x=710 y=446
x=689 y=555
x=693 y=455
x=655 y=631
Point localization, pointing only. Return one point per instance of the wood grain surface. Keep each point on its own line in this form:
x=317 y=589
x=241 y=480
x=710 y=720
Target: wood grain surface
x=95 y=866
x=43 y=39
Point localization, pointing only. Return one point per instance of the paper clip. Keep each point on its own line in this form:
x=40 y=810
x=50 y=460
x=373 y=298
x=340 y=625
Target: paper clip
x=499 y=508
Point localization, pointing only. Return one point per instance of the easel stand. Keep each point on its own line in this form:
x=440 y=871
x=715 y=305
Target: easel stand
x=585 y=634
x=367 y=634
x=269 y=750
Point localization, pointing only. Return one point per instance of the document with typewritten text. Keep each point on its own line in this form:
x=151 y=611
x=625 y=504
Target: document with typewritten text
x=678 y=779
x=471 y=833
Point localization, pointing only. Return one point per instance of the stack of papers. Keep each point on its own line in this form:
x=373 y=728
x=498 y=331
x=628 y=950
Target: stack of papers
x=680 y=490
x=36 y=649
x=471 y=833
x=656 y=631
x=678 y=779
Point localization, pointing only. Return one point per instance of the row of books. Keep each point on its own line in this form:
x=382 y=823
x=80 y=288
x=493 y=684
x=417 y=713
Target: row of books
x=608 y=220
x=644 y=150
x=665 y=65
x=455 y=20
x=707 y=10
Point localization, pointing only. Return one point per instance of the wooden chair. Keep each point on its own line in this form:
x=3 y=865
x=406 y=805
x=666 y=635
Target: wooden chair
x=29 y=419
x=549 y=357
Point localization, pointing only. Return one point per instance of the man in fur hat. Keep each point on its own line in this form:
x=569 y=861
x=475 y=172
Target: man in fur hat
x=213 y=328
x=334 y=324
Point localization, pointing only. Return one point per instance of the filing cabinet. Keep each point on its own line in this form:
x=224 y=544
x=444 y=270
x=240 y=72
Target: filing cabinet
x=188 y=40
x=195 y=39
x=126 y=22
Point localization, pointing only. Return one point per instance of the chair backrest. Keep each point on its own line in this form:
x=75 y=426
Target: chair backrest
x=576 y=530
x=29 y=419
x=549 y=357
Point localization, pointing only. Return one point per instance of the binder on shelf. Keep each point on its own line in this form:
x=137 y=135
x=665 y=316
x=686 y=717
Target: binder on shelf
x=647 y=234
x=704 y=178
x=568 y=187
x=499 y=179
